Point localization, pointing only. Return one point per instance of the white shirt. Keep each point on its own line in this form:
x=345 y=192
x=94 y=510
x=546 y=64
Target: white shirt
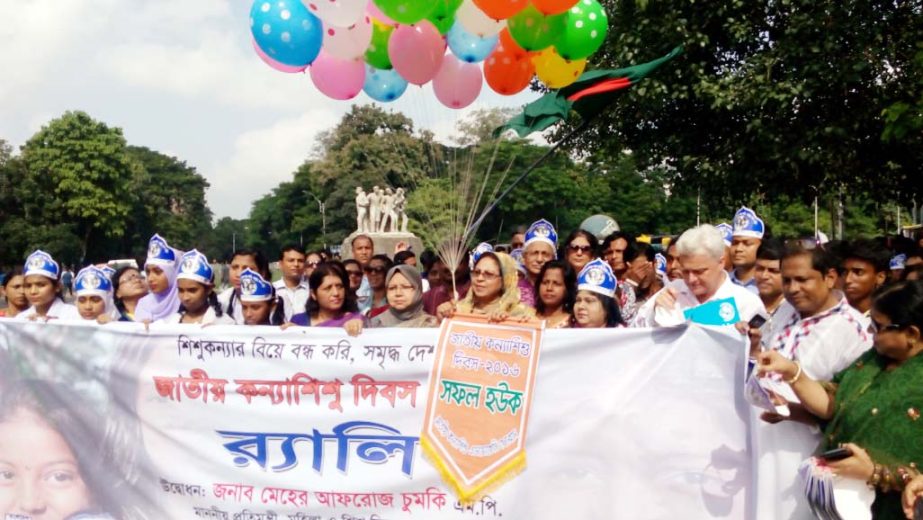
x=209 y=318
x=364 y=296
x=824 y=345
x=294 y=298
x=650 y=315
x=225 y=298
x=58 y=310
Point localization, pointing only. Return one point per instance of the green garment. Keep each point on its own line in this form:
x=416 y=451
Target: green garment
x=880 y=410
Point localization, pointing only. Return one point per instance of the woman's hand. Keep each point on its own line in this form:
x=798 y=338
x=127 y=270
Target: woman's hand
x=912 y=492
x=445 y=310
x=102 y=319
x=858 y=466
x=353 y=327
x=771 y=361
x=287 y=325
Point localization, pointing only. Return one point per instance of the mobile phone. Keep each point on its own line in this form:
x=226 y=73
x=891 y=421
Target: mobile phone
x=836 y=454
x=756 y=321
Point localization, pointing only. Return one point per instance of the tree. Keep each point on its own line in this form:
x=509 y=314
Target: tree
x=78 y=171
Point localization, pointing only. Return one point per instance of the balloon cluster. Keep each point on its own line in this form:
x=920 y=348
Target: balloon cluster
x=380 y=46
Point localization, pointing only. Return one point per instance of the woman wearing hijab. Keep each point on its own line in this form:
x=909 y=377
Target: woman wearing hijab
x=94 y=295
x=494 y=290
x=161 y=268
x=404 y=287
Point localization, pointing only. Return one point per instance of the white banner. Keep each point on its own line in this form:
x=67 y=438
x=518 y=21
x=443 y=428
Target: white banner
x=257 y=423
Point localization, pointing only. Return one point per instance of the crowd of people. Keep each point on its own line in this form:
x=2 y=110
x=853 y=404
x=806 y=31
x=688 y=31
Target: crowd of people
x=839 y=325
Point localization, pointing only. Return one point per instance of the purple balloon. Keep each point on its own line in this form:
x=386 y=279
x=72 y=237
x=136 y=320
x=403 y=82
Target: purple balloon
x=336 y=78
x=458 y=82
x=417 y=51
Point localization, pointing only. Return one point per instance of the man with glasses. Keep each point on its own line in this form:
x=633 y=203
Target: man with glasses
x=292 y=287
x=540 y=245
x=824 y=336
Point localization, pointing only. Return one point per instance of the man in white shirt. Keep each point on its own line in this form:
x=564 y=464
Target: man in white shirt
x=824 y=335
x=362 y=249
x=746 y=239
x=292 y=287
x=702 y=255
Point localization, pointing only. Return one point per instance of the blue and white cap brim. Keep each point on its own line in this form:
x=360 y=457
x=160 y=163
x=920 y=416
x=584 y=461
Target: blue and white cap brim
x=479 y=250
x=254 y=288
x=897 y=262
x=41 y=263
x=159 y=252
x=516 y=254
x=543 y=232
x=748 y=224
x=660 y=263
x=92 y=281
x=597 y=277
x=194 y=266
x=727 y=233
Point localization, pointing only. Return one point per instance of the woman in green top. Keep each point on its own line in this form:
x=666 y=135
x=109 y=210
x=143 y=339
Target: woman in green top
x=873 y=407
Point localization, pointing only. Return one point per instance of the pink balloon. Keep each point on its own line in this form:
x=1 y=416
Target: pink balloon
x=458 y=83
x=376 y=13
x=416 y=51
x=275 y=64
x=336 y=78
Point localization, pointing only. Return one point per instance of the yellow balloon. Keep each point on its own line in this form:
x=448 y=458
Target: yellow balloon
x=556 y=72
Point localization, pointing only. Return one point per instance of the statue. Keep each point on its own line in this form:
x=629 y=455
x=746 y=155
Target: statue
x=387 y=212
x=362 y=211
x=374 y=209
x=400 y=206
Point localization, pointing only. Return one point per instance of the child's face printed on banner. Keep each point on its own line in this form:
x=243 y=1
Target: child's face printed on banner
x=39 y=475
x=156 y=279
x=589 y=311
x=40 y=290
x=91 y=307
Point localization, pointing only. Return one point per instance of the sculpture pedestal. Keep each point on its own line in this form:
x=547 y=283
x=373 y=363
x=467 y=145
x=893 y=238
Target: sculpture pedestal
x=384 y=243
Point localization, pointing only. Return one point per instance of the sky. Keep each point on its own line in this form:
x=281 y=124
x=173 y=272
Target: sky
x=180 y=77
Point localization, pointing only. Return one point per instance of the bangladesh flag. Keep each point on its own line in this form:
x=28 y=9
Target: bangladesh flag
x=589 y=95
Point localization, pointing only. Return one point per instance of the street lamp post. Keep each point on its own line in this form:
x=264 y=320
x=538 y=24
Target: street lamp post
x=322 y=207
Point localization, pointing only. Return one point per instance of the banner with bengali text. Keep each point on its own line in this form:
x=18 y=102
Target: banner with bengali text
x=241 y=423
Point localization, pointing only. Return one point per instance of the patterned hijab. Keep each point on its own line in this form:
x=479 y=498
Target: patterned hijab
x=509 y=299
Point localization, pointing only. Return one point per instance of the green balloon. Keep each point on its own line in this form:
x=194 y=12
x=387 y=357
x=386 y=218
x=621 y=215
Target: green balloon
x=377 y=53
x=406 y=11
x=584 y=31
x=443 y=15
x=534 y=31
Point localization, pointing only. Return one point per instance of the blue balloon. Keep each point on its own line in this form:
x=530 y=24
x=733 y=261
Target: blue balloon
x=470 y=47
x=286 y=31
x=383 y=85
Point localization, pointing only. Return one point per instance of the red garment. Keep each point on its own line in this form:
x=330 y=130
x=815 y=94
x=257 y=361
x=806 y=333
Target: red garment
x=375 y=311
x=433 y=298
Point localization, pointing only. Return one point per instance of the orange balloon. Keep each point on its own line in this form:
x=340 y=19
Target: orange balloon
x=508 y=44
x=507 y=75
x=500 y=9
x=553 y=6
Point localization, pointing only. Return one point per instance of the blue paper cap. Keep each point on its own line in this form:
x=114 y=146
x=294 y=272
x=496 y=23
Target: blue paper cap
x=92 y=281
x=479 y=250
x=41 y=263
x=897 y=262
x=254 y=288
x=597 y=276
x=660 y=263
x=516 y=254
x=194 y=266
x=747 y=224
x=107 y=270
x=159 y=252
x=541 y=231
x=727 y=233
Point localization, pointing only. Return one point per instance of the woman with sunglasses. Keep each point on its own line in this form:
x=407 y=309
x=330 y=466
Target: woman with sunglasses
x=580 y=248
x=375 y=271
x=874 y=407
x=312 y=260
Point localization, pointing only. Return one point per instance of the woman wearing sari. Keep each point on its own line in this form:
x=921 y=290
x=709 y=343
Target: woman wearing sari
x=494 y=291
x=405 y=300
x=331 y=303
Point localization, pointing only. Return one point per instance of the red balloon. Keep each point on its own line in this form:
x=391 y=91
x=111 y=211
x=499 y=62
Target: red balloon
x=506 y=74
x=500 y=9
x=553 y=6
x=508 y=44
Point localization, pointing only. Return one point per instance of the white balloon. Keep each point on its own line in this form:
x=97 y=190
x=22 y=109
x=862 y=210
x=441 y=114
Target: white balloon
x=348 y=43
x=476 y=22
x=340 y=13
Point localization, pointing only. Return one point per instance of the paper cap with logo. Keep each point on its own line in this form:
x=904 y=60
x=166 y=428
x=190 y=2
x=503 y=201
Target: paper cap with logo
x=660 y=263
x=747 y=224
x=159 y=252
x=541 y=231
x=92 y=281
x=727 y=233
x=40 y=262
x=479 y=250
x=597 y=276
x=898 y=262
x=194 y=266
x=108 y=270
x=516 y=254
x=254 y=288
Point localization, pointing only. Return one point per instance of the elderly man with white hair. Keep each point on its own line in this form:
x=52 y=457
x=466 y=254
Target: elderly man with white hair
x=701 y=253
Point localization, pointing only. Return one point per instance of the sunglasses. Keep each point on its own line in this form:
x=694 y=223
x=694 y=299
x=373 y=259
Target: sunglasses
x=352 y=272
x=376 y=270
x=582 y=249
x=312 y=264
x=487 y=275
x=877 y=328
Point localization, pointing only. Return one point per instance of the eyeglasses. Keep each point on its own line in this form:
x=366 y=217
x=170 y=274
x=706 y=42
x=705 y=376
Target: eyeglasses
x=877 y=328
x=352 y=272
x=487 y=275
x=376 y=270
x=582 y=249
x=131 y=278
x=312 y=264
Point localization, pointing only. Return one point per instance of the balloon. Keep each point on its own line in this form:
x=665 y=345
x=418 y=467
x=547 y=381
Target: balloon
x=556 y=72
x=500 y=9
x=275 y=64
x=585 y=30
x=505 y=74
x=336 y=78
x=476 y=22
x=416 y=51
x=376 y=13
x=508 y=44
x=286 y=31
x=406 y=11
x=340 y=13
x=458 y=83
x=443 y=15
x=469 y=47
x=348 y=43
x=553 y=6
x=533 y=30
x=377 y=53
x=383 y=85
